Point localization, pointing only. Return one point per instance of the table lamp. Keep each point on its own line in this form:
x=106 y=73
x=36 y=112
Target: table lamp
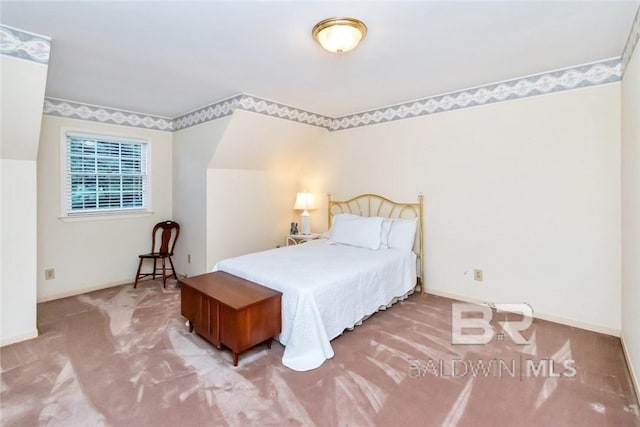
x=304 y=202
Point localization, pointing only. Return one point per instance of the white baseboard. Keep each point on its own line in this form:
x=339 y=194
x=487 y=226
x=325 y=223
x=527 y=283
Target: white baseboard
x=79 y=291
x=17 y=338
x=578 y=324
x=632 y=372
x=537 y=315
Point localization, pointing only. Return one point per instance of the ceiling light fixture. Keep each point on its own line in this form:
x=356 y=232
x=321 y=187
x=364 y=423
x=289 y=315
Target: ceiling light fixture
x=339 y=34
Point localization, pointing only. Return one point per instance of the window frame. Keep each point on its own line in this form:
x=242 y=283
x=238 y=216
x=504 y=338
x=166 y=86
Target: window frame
x=66 y=214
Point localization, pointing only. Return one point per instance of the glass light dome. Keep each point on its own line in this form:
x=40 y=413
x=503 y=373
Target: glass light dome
x=339 y=34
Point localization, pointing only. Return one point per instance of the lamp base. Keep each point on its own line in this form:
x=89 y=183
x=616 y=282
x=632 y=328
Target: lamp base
x=305 y=226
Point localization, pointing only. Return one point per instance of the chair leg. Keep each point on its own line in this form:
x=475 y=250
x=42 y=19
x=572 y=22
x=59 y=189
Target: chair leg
x=175 y=275
x=154 y=269
x=135 y=283
x=164 y=273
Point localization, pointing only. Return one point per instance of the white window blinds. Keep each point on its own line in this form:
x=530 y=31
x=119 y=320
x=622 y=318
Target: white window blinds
x=105 y=174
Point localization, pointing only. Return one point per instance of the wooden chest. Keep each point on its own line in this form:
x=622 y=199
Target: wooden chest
x=227 y=310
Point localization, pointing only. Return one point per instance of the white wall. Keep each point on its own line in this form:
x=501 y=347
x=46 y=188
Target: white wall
x=248 y=211
x=22 y=85
x=235 y=181
x=94 y=254
x=22 y=90
x=18 y=224
x=252 y=182
x=193 y=148
x=527 y=190
x=631 y=214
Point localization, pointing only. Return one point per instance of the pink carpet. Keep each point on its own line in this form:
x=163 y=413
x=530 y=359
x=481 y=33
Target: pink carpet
x=123 y=356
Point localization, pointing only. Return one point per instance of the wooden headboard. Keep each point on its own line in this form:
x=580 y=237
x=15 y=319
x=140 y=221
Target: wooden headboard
x=375 y=205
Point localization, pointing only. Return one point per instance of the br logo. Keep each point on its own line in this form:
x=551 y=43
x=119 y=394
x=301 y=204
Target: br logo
x=464 y=317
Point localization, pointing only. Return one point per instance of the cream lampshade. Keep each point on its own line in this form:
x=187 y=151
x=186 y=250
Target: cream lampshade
x=304 y=202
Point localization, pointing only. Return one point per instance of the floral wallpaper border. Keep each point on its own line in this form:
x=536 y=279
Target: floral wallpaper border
x=24 y=45
x=571 y=78
x=77 y=110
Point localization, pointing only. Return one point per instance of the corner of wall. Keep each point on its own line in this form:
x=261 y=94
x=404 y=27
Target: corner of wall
x=630 y=183
x=193 y=148
x=23 y=81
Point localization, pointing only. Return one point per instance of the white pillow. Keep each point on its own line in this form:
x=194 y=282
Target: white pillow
x=352 y=230
x=403 y=234
x=327 y=234
x=384 y=234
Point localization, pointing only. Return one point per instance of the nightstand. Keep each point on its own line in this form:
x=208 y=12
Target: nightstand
x=295 y=239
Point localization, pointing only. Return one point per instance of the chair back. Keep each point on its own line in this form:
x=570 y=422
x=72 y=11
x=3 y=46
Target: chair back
x=170 y=231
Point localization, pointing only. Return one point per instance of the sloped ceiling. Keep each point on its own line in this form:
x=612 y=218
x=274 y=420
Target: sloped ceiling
x=22 y=87
x=168 y=58
x=257 y=142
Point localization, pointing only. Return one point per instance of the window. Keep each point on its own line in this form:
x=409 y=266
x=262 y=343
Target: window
x=104 y=175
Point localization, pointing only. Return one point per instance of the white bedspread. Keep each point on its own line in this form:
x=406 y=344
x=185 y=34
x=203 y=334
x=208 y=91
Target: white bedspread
x=325 y=289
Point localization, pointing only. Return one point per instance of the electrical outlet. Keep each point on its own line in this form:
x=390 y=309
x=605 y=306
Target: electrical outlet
x=49 y=273
x=188 y=258
x=477 y=275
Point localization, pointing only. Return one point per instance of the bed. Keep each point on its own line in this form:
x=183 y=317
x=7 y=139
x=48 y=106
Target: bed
x=332 y=284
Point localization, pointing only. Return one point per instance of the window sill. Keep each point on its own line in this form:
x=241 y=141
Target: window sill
x=105 y=216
